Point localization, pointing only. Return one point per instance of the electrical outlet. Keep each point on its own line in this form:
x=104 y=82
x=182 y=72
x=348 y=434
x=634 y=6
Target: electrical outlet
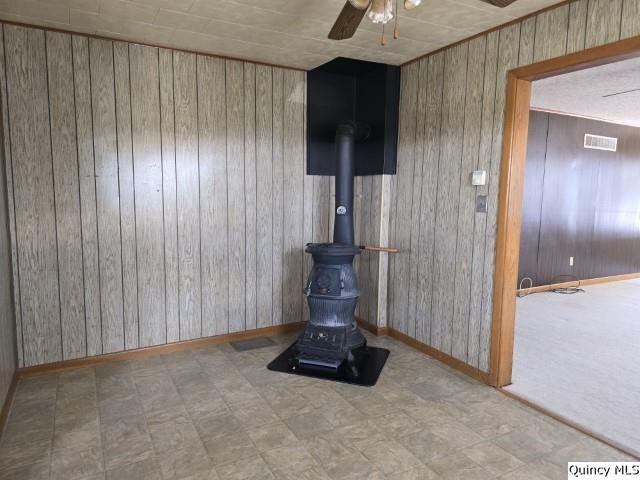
x=571 y=261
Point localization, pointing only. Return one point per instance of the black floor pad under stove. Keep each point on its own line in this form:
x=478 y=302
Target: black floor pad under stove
x=369 y=360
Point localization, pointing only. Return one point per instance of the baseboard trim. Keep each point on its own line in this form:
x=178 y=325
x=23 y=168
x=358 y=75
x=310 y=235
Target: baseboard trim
x=442 y=357
x=578 y=283
x=156 y=350
x=8 y=402
x=231 y=337
x=570 y=423
x=377 y=331
x=426 y=349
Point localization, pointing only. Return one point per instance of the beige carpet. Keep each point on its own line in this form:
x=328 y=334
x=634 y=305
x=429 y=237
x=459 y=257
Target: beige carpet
x=579 y=357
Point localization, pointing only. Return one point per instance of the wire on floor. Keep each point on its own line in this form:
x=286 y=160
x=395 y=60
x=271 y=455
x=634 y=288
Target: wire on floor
x=572 y=290
x=521 y=291
x=568 y=290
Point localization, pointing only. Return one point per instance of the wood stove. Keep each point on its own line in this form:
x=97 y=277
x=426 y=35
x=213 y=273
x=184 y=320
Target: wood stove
x=332 y=345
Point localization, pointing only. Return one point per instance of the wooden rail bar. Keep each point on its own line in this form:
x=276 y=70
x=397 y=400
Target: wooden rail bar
x=371 y=248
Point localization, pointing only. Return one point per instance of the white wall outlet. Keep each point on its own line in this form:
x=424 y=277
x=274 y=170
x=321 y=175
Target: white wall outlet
x=571 y=261
x=478 y=178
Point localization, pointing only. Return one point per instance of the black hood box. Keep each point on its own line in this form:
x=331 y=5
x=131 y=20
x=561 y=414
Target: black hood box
x=347 y=90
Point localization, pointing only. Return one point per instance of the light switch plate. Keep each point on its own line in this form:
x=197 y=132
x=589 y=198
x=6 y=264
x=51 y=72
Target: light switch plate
x=479 y=177
x=481 y=204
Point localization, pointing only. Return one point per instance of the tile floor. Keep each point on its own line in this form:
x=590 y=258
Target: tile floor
x=215 y=413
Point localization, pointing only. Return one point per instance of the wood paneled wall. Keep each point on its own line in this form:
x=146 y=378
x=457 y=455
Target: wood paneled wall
x=451 y=123
x=579 y=203
x=8 y=357
x=157 y=195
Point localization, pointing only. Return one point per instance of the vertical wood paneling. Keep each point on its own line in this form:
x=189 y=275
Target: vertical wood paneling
x=507 y=59
x=551 y=33
x=582 y=217
x=480 y=220
x=157 y=198
x=236 y=195
x=320 y=213
x=86 y=172
x=213 y=195
x=577 y=32
x=374 y=237
x=459 y=323
x=170 y=206
x=435 y=85
x=33 y=193
x=417 y=196
x=630 y=19
x=277 y=194
x=466 y=208
x=8 y=351
x=447 y=200
x=127 y=194
x=406 y=140
x=332 y=210
x=250 y=193
x=142 y=147
x=147 y=159
x=264 y=179
x=220 y=238
x=532 y=195
x=383 y=267
x=391 y=232
x=603 y=22
x=308 y=204
x=321 y=204
x=8 y=170
x=293 y=195
x=187 y=111
x=527 y=41
x=367 y=259
x=9 y=359
x=358 y=233
x=107 y=193
x=67 y=198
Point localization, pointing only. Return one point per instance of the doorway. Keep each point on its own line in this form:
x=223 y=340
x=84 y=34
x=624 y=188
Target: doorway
x=512 y=181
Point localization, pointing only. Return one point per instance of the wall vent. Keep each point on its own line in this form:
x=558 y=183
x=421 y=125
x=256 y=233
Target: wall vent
x=598 y=142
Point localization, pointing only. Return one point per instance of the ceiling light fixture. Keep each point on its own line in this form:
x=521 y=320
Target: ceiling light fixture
x=381 y=11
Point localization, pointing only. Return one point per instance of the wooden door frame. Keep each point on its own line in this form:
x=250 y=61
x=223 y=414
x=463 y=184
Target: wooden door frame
x=512 y=170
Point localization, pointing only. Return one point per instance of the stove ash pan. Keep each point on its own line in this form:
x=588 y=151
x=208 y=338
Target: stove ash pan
x=332 y=295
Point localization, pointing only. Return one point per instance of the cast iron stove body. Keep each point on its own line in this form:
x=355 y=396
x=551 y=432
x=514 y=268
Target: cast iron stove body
x=332 y=295
x=332 y=335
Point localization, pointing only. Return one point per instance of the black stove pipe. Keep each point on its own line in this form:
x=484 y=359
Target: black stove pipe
x=346 y=136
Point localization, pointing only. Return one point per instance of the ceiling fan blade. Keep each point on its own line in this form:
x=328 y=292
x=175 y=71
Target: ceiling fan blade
x=499 y=3
x=347 y=22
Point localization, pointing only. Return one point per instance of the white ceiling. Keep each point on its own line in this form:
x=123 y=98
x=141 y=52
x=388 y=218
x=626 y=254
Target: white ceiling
x=609 y=92
x=285 y=32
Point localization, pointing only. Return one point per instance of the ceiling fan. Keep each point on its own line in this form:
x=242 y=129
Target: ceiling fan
x=380 y=11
